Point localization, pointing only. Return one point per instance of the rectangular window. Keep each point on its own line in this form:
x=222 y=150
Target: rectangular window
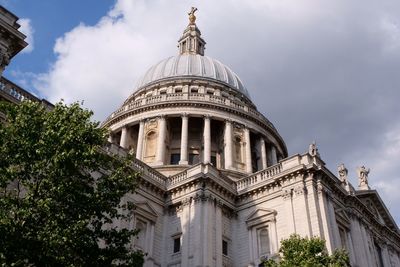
x=177 y=244
x=163 y=92
x=194 y=90
x=178 y=90
x=225 y=247
x=175 y=157
x=263 y=241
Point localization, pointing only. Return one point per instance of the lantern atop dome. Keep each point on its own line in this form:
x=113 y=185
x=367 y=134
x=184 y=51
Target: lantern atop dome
x=191 y=41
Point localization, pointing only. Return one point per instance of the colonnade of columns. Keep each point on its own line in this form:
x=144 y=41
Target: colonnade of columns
x=268 y=154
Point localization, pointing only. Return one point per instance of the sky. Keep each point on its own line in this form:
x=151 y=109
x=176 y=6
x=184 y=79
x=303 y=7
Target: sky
x=319 y=70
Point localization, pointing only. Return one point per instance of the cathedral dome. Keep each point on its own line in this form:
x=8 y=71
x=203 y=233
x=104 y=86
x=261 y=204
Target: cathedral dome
x=192 y=65
x=191 y=108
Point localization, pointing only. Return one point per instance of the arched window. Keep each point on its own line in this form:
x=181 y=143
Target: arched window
x=150 y=147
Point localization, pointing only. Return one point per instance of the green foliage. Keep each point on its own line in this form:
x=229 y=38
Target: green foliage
x=59 y=192
x=304 y=252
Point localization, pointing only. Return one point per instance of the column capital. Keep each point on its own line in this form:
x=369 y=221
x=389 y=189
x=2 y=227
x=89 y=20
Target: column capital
x=184 y=115
x=239 y=125
x=207 y=116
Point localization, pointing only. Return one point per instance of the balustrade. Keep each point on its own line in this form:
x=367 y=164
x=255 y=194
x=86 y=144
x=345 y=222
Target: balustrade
x=258 y=177
x=151 y=100
x=15 y=92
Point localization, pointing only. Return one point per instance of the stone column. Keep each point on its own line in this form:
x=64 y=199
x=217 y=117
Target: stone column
x=184 y=140
x=263 y=154
x=162 y=131
x=228 y=145
x=249 y=166
x=273 y=155
x=139 y=148
x=207 y=139
x=124 y=137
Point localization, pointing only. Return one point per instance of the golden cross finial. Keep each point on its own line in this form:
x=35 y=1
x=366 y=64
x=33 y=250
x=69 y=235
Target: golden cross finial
x=192 y=17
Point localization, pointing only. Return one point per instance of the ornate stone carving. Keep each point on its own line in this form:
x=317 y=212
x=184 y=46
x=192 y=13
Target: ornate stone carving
x=320 y=188
x=151 y=124
x=286 y=194
x=300 y=190
x=342 y=170
x=362 y=173
x=4 y=57
x=186 y=201
x=313 y=150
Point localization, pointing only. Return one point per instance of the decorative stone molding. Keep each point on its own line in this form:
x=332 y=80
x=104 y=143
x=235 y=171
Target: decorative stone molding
x=287 y=194
x=151 y=124
x=300 y=190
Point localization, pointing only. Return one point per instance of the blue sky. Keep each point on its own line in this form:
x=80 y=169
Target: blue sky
x=50 y=20
x=319 y=70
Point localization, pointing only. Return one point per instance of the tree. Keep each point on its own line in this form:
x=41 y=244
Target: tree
x=304 y=252
x=60 y=192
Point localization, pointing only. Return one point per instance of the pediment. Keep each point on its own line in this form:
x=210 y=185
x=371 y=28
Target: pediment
x=259 y=216
x=146 y=210
x=373 y=202
x=342 y=217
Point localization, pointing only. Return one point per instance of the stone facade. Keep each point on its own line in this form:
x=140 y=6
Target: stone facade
x=217 y=186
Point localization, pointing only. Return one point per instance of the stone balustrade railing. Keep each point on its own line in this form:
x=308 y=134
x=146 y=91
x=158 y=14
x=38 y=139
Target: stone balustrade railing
x=193 y=172
x=16 y=93
x=246 y=183
x=150 y=100
x=146 y=171
x=258 y=177
x=177 y=178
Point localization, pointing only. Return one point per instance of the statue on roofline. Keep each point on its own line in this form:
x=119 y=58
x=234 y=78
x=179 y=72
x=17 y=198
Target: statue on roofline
x=342 y=170
x=313 y=150
x=363 y=176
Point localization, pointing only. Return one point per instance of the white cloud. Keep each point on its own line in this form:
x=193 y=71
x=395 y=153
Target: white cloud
x=27 y=29
x=315 y=68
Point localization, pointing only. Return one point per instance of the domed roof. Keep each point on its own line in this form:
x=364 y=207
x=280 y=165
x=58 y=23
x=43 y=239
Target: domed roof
x=192 y=65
